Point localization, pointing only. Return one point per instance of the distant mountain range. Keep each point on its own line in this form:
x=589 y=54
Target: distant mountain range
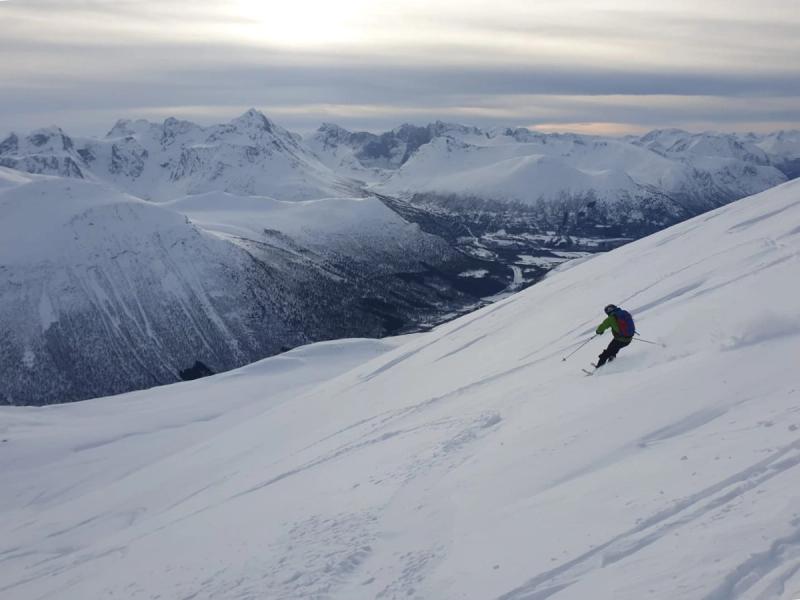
x=528 y=199
x=416 y=159
x=128 y=259
x=249 y=155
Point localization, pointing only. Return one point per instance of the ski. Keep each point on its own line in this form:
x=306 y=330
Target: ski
x=588 y=372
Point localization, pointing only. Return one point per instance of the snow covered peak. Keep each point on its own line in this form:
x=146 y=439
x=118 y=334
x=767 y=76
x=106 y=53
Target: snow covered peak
x=785 y=142
x=520 y=134
x=121 y=128
x=10 y=144
x=128 y=127
x=333 y=129
x=660 y=135
x=682 y=144
x=46 y=151
x=332 y=135
x=253 y=127
x=46 y=139
x=366 y=155
x=253 y=119
x=438 y=128
x=174 y=128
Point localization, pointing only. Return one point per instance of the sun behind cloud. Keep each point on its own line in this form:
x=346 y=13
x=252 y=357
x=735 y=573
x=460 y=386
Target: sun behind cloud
x=301 y=23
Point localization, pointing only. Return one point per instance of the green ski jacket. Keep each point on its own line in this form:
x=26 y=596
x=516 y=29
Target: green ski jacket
x=610 y=321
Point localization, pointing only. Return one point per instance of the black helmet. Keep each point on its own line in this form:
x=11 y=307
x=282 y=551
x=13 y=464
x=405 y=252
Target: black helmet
x=610 y=308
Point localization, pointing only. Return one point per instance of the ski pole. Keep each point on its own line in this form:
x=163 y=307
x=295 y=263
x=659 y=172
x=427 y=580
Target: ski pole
x=579 y=347
x=639 y=339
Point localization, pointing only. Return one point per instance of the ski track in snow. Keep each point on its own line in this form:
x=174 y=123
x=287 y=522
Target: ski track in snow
x=697 y=506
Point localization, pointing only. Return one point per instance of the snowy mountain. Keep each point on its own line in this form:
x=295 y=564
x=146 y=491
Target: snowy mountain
x=101 y=292
x=467 y=462
x=783 y=147
x=683 y=173
x=48 y=151
x=272 y=241
x=366 y=156
x=520 y=165
x=249 y=155
x=513 y=195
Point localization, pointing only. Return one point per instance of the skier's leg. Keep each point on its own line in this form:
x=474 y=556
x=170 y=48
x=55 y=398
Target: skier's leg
x=606 y=354
x=610 y=353
x=614 y=347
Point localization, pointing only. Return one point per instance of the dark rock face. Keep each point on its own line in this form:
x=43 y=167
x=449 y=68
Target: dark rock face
x=46 y=152
x=196 y=371
x=128 y=158
x=10 y=144
x=790 y=167
x=44 y=165
x=391 y=149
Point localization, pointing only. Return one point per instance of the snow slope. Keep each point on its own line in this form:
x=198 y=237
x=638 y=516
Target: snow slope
x=363 y=229
x=468 y=462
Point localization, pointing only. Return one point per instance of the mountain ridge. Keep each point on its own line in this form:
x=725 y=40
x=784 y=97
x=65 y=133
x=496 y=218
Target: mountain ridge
x=102 y=292
x=248 y=155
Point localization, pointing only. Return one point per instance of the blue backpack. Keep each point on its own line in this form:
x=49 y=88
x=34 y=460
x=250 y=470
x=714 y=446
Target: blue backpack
x=625 y=323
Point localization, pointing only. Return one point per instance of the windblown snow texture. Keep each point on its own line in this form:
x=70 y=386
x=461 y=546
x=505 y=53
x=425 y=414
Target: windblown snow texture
x=466 y=462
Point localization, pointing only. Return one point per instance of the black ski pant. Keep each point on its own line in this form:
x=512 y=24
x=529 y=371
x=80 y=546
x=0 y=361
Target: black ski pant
x=610 y=353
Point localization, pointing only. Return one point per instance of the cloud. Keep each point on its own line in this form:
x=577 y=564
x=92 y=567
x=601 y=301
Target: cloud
x=82 y=63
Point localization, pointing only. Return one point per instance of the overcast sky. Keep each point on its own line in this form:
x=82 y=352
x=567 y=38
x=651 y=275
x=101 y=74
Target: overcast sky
x=556 y=65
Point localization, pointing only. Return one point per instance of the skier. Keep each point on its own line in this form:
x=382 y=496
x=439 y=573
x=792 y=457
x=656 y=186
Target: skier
x=621 y=324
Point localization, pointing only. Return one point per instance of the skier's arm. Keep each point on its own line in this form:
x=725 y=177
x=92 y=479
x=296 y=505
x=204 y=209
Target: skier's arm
x=603 y=326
